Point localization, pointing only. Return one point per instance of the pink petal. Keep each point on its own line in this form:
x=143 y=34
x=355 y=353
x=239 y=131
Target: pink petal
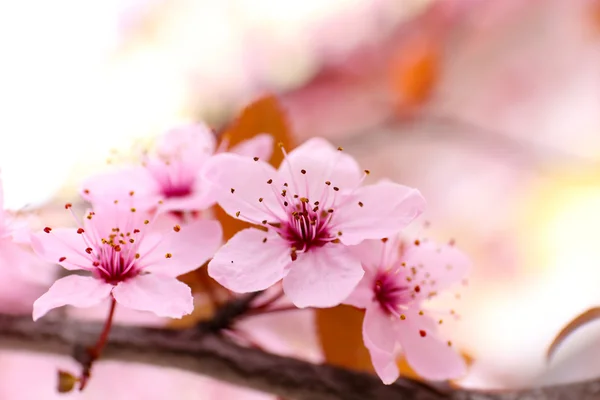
x=74 y=290
x=362 y=295
x=25 y=265
x=247 y=263
x=188 y=249
x=62 y=246
x=260 y=146
x=163 y=295
x=109 y=216
x=385 y=365
x=240 y=182
x=191 y=144
x=378 y=330
x=117 y=185
x=375 y=254
x=198 y=200
x=19 y=227
x=322 y=277
x=321 y=162
x=377 y=211
x=1 y=204
x=445 y=264
x=429 y=356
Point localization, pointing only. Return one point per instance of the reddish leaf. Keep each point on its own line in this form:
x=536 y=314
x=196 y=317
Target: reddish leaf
x=265 y=115
x=340 y=332
x=415 y=70
x=592 y=17
x=201 y=283
x=582 y=319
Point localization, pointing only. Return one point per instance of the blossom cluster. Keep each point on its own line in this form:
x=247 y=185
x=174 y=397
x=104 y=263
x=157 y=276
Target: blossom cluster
x=315 y=226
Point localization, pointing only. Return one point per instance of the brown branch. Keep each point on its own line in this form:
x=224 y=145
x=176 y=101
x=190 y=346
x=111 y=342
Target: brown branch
x=226 y=315
x=212 y=355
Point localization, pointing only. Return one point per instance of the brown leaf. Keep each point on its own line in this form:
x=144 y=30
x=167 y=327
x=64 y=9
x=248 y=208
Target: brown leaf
x=415 y=70
x=340 y=332
x=582 y=319
x=265 y=115
x=201 y=283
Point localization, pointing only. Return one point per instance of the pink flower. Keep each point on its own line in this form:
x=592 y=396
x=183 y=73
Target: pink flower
x=393 y=291
x=23 y=276
x=125 y=258
x=172 y=174
x=308 y=211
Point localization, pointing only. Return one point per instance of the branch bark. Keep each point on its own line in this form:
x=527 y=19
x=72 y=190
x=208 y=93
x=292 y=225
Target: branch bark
x=210 y=354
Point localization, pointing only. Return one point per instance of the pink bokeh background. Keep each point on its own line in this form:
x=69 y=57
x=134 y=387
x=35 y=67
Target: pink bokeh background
x=504 y=145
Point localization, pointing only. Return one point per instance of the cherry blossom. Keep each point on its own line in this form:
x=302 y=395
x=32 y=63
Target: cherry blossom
x=23 y=276
x=398 y=281
x=172 y=172
x=308 y=212
x=126 y=258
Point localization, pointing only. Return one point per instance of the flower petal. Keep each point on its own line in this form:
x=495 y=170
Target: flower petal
x=385 y=365
x=62 y=246
x=260 y=146
x=191 y=144
x=117 y=184
x=74 y=290
x=362 y=295
x=322 y=277
x=429 y=356
x=247 y=263
x=1 y=203
x=163 y=295
x=24 y=265
x=377 y=211
x=378 y=330
x=239 y=182
x=193 y=202
x=375 y=253
x=187 y=248
x=320 y=162
x=445 y=264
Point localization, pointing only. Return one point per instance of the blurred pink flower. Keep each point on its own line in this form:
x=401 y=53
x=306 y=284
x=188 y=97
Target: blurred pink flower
x=172 y=174
x=308 y=211
x=23 y=276
x=393 y=290
x=125 y=259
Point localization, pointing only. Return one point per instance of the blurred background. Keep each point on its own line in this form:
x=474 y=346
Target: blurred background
x=490 y=107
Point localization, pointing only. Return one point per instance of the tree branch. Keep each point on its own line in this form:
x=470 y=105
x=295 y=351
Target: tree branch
x=210 y=354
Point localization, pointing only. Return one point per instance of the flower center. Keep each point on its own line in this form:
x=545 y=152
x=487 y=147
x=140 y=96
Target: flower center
x=171 y=191
x=390 y=294
x=306 y=228
x=115 y=270
x=175 y=178
x=115 y=257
